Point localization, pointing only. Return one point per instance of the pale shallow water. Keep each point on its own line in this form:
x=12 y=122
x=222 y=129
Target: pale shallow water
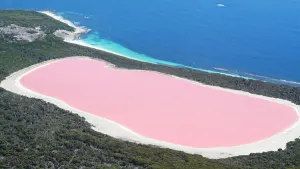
x=159 y=106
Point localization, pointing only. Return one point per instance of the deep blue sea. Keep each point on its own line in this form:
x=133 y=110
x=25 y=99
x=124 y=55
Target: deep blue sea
x=255 y=38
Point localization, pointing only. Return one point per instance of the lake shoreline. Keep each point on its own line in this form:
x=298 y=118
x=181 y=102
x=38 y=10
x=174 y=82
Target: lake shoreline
x=12 y=83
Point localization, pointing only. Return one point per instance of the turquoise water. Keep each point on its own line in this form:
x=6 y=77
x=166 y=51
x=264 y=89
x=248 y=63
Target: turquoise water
x=95 y=39
x=249 y=38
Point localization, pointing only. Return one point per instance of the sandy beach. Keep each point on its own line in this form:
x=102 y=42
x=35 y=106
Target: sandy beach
x=12 y=83
x=74 y=36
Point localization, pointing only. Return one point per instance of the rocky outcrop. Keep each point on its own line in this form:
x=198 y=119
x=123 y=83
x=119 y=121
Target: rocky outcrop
x=69 y=36
x=20 y=33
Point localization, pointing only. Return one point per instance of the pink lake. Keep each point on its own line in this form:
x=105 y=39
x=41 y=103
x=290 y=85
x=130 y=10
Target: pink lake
x=160 y=106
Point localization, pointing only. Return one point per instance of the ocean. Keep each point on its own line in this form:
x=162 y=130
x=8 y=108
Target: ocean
x=257 y=39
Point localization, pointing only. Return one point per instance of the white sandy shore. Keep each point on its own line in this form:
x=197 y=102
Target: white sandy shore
x=71 y=35
x=74 y=36
x=116 y=130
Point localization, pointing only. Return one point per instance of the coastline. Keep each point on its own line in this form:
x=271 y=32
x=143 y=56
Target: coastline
x=79 y=30
x=74 y=39
x=116 y=130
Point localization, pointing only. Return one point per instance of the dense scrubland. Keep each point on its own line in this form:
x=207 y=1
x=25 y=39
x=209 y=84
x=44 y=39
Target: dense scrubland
x=36 y=134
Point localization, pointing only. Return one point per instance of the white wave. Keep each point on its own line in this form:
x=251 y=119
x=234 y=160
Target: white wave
x=75 y=13
x=80 y=14
x=292 y=82
x=220 y=5
x=274 y=79
x=265 y=77
x=222 y=69
x=76 y=23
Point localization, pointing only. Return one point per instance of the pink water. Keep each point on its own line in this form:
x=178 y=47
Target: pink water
x=159 y=106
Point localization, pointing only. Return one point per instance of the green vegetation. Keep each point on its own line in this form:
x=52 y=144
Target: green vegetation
x=289 y=158
x=21 y=18
x=36 y=134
